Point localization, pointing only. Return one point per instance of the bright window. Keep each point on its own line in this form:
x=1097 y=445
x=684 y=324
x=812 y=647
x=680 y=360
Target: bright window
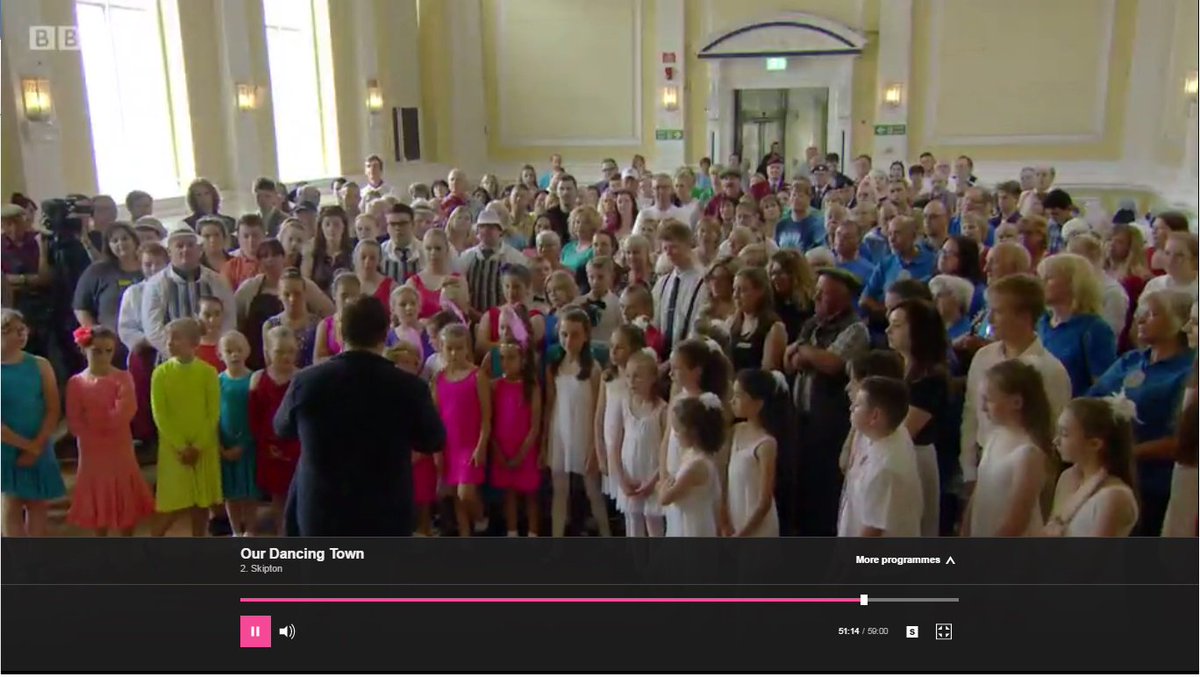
x=136 y=95
x=302 y=93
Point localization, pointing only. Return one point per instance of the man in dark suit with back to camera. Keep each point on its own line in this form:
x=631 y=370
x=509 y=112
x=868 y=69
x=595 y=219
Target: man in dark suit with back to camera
x=359 y=420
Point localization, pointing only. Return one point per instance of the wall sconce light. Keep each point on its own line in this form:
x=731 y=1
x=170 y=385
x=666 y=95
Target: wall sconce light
x=374 y=97
x=1191 y=86
x=247 y=97
x=670 y=98
x=893 y=95
x=36 y=99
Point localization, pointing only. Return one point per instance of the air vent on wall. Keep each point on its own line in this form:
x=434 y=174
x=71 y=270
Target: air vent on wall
x=406 y=130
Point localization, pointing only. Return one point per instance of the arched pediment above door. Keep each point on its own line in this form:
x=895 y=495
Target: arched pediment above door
x=785 y=34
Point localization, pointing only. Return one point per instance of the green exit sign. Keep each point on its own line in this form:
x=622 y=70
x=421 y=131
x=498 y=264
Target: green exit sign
x=776 y=63
x=668 y=135
x=891 y=130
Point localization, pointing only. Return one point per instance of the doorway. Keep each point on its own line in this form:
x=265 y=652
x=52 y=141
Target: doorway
x=794 y=118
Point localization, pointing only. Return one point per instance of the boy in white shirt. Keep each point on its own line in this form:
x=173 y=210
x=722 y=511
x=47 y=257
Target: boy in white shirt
x=601 y=299
x=883 y=490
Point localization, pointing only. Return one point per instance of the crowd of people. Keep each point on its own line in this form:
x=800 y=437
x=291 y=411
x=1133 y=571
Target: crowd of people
x=708 y=352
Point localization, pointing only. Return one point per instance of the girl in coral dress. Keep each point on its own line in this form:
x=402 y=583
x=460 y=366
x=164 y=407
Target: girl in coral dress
x=110 y=492
x=276 y=458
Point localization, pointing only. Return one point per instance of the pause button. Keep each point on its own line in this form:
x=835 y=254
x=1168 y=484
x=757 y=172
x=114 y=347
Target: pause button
x=255 y=632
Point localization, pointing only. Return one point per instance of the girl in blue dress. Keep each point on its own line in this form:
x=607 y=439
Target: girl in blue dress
x=30 y=410
x=238 y=466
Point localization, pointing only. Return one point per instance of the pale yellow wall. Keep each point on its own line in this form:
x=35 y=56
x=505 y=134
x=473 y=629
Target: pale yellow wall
x=733 y=12
x=559 y=71
x=201 y=59
x=728 y=13
x=435 y=81
x=1036 y=77
x=12 y=172
x=1173 y=113
x=70 y=105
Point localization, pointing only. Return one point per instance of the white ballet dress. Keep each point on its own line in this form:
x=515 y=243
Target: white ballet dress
x=1086 y=520
x=994 y=484
x=616 y=392
x=697 y=514
x=639 y=457
x=571 y=429
x=674 y=454
x=1180 y=520
x=745 y=485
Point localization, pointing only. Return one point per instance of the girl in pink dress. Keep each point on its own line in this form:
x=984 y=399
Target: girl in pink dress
x=328 y=341
x=110 y=492
x=517 y=420
x=462 y=393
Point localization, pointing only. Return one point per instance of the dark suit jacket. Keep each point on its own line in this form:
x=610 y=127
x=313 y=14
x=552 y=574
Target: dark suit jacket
x=359 y=420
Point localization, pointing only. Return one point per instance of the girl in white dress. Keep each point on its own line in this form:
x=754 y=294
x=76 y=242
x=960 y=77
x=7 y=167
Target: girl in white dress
x=634 y=467
x=697 y=366
x=571 y=389
x=695 y=489
x=626 y=340
x=1014 y=463
x=1093 y=496
x=1182 y=507
x=761 y=398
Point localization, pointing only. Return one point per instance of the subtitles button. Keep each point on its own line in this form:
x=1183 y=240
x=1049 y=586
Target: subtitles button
x=256 y=632
x=912 y=632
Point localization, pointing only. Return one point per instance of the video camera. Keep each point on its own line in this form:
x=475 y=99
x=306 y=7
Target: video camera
x=62 y=215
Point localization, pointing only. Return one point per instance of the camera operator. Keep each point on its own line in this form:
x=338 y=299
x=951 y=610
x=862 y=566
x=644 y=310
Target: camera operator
x=73 y=245
x=27 y=275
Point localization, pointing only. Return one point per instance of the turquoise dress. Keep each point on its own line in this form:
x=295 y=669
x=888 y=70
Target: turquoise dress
x=237 y=477
x=22 y=408
x=575 y=259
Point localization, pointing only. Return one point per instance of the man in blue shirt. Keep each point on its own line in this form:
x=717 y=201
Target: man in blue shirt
x=907 y=261
x=1059 y=209
x=555 y=166
x=804 y=227
x=976 y=199
x=847 y=252
x=1008 y=199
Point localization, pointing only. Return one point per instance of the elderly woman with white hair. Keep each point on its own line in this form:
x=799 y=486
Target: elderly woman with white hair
x=1154 y=377
x=1073 y=330
x=953 y=295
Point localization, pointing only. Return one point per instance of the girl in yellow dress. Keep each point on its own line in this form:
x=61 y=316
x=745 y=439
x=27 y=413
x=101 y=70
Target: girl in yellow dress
x=185 y=396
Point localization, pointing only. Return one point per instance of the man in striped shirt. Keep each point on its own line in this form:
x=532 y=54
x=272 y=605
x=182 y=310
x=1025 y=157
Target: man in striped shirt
x=174 y=293
x=402 y=254
x=484 y=263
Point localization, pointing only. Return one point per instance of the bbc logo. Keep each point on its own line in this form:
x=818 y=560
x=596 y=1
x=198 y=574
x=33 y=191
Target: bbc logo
x=52 y=38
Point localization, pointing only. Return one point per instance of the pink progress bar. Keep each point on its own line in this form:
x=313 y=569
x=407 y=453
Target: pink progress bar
x=553 y=600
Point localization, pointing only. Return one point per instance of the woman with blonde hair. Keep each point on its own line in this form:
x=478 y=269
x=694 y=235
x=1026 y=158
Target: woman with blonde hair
x=793 y=286
x=459 y=226
x=719 y=278
x=708 y=240
x=583 y=223
x=520 y=233
x=1074 y=330
x=1035 y=236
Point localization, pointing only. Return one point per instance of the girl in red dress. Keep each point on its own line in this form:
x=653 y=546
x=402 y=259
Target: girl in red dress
x=276 y=458
x=434 y=273
x=212 y=316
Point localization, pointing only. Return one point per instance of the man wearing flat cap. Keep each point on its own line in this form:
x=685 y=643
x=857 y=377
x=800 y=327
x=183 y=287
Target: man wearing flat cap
x=817 y=361
x=174 y=293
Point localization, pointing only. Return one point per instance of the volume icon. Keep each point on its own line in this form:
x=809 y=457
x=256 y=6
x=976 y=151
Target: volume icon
x=288 y=631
